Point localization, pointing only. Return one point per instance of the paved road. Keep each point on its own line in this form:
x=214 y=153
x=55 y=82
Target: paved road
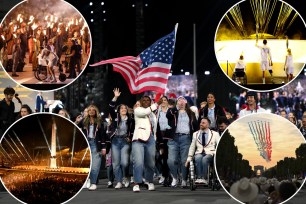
x=161 y=195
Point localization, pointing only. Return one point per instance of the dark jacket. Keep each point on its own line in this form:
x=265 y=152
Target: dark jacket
x=99 y=135
x=160 y=136
x=172 y=115
x=116 y=119
x=7 y=116
x=219 y=111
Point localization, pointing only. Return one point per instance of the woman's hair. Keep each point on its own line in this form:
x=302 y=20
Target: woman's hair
x=165 y=97
x=27 y=107
x=97 y=117
x=119 y=106
x=66 y=114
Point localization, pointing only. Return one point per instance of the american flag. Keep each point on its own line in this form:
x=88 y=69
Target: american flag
x=148 y=71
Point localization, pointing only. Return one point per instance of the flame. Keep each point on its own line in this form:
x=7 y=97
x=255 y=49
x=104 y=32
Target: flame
x=34 y=26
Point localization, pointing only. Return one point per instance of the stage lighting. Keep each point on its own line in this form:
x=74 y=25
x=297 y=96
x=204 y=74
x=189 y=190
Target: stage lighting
x=207 y=72
x=102 y=3
x=92 y=20
x=187 y=73
x=91 y=11
x=90 y=3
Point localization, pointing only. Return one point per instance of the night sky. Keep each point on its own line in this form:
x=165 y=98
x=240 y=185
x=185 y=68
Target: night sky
x=30 y=133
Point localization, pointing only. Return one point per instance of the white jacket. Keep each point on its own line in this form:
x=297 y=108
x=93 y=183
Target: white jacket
x=197 y=147
x=142 y=123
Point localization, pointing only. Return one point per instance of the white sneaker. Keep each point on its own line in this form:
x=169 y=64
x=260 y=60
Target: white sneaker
x=198 y=180
x=184 y=184
x=204 y=181
x=92 y=187
x=161 y=180
x=126 y=182
x=136 y=188
x=118 y=186
x=174 y=182
x=109 y=184
x=151 y=187
x=87 y=184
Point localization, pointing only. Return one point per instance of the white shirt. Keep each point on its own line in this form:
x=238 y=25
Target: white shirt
x=247 y=111
x=265 y=52
x=289 y=61
x=240 y=64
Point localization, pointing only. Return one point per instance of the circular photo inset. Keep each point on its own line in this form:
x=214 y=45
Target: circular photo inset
x=259 y=44
x=260 y=159
x=45 y=158
x=47 y=44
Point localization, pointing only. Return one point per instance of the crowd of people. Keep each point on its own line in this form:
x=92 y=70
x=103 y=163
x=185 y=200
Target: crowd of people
x=262 y=190
x=32 y=38
x=36 y=187
x=157 y=137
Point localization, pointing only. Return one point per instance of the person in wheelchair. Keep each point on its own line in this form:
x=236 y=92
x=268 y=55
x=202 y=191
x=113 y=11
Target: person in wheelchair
x=51 y=59
x=202 y=148
x=240 y=68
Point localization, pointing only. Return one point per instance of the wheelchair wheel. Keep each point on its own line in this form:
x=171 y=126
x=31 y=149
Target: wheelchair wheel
x=234 y=77
x=191 y=176
x=41 y=73
x=192 y=184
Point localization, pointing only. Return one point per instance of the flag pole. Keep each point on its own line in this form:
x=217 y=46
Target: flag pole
x=194 y=66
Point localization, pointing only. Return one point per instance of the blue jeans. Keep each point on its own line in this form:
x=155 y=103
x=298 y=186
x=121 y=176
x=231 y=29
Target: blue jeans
x=95 y=161
x=202 y=162
x=110 y=175
x=143 y=160
x=120 y=157
x=178 y=149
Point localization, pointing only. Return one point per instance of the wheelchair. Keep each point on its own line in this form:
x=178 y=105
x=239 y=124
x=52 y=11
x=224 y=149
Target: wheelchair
x=240 y=76
x=213 y=182
x=41 y=73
